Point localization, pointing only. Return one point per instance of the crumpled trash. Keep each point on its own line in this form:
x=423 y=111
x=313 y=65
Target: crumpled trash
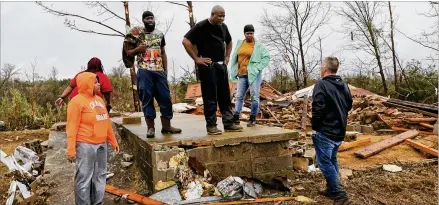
x=27 y=156
x=199 y=101
x=230 y=186
x=304 y=199
x=252 y=189
x=392 y=168
x=246 y=109
x=182 y=107
x=312 y=168
x=195 y=190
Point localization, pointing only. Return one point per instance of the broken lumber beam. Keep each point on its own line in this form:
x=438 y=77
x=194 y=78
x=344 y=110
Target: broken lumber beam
x=304 y=114
x=260 y=200
x=426 y=125
x=420 y=106
x=132 y=196
x=358 y=143
x=380 y=117
x=405 y=129
x=429 y=119
x=272 y=114
x=422 y=147
x=384 y=144
x=409 y=108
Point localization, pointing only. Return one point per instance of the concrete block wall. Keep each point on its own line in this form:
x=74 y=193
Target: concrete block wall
x=261 y=158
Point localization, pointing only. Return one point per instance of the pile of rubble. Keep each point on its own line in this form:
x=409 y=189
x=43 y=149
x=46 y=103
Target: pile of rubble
x=26 y=166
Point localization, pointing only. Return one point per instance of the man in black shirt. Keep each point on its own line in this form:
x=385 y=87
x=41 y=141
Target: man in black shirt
x=210 y=37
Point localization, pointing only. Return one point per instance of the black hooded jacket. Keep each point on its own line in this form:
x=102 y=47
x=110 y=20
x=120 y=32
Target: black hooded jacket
x=331 y=103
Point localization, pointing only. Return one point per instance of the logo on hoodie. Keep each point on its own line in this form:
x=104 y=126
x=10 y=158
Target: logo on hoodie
x=101 y=113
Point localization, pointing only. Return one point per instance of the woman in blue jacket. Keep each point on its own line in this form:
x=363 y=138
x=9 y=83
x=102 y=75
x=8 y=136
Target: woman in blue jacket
x=249 y=59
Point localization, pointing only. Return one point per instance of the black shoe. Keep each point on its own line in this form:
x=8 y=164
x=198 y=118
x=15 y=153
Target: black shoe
x=343 y=202
x=233 y=128
x=252 y=121
x=214 y=131
x=236 y=119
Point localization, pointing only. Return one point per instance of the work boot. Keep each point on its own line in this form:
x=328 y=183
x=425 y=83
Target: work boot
x=214 y=131
x=236 y=120
x=167 y=128
x=323 y=192
x=252 y=121
x=343 y=202
x=151 y=130
x=233 y=128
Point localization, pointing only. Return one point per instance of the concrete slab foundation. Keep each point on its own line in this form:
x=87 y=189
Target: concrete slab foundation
x=260 y=152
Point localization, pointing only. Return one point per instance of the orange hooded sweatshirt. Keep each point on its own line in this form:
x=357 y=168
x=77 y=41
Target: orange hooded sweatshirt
x=87 y=118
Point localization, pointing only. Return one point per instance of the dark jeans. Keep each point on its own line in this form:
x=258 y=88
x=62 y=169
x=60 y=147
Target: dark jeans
x=215 y=91
x=326 y=151
x=150 y=85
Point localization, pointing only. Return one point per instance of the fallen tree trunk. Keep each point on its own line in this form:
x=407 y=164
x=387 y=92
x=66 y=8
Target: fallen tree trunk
x=384 y=144
x=422 y=147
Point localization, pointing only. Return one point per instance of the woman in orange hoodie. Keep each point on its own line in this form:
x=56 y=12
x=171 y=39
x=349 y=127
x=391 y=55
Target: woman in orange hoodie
x=88 y=130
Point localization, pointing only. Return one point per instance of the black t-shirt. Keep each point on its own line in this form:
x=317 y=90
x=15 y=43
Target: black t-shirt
x=210 y=39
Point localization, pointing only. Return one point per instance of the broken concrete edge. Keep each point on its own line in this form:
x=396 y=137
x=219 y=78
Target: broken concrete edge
x=217 y=141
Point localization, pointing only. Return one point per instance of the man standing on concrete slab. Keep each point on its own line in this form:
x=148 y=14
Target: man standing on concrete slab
x=331 y=103
x=210 y=37
x=148 y=45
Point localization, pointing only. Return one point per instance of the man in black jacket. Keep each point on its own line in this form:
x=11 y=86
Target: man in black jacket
x=331 y=103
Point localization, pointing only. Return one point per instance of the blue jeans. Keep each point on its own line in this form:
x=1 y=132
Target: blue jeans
x=243 y=86
x=150 y=85
x=326 y=151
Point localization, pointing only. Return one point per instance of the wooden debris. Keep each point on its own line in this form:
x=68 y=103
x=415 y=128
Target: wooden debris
x=304 y=114
x=405 y=129
x=421 y=119
x=272 y=114
x=384 y=144
x=380 y=117
x=260 y=200
x=422 y=147
x=426 y=125
x=411 y=109
x=131 y=120
x=132 y=196
x=358 y=143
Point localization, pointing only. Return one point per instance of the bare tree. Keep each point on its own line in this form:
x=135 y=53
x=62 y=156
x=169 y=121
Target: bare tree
x=103 y=15
x=428 y=39
x=7 y=73
x=361 y=17
x=118 y=71
x=290 y=33
x=53 y=73
x=393 y=48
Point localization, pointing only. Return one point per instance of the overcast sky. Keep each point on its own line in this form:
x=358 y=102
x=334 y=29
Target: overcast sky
x=28 y=33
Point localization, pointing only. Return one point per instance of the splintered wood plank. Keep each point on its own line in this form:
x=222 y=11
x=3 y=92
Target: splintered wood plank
x=353 y=144
x=422 y=147
x=380 y=117
x=384 y=144
x=405 y=129
x=421 y=119
x=426 y=125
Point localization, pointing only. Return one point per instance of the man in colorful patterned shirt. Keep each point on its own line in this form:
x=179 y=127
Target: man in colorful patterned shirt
x=148 y=45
